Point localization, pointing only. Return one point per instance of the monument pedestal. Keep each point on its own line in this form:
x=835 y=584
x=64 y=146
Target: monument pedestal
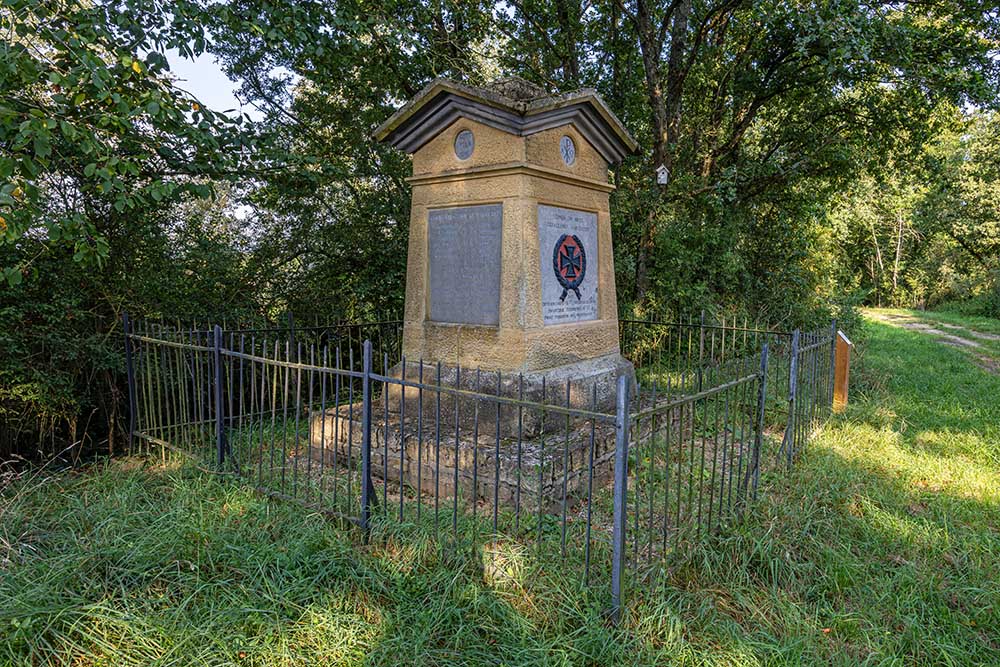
x=527 y=474
x=589 y=385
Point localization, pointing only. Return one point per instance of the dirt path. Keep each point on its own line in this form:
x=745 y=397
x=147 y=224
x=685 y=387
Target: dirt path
x=956 y=336
x=975 y=334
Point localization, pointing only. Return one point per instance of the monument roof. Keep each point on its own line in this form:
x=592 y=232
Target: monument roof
x=510 y=104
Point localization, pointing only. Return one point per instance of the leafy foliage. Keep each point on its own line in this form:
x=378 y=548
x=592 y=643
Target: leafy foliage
x=100 y=153
x=780 y=123
x=919 y=235
x=93 y=132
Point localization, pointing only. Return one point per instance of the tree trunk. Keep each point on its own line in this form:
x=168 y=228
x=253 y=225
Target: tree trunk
x=569 y=22
x=675 y=78
x=650 y=48
x=899 y=252
x=878 y=254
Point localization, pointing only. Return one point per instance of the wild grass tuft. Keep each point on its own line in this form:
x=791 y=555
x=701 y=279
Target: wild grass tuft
x=879 y=548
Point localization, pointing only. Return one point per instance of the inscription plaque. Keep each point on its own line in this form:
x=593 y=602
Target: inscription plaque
x=567 y=242
x=464 y=257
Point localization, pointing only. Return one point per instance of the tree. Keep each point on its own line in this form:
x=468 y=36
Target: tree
x=921 y=231
x=325 y=75
x=92 y=131
x=99 y=151
x=746 y=101
x=962 y=211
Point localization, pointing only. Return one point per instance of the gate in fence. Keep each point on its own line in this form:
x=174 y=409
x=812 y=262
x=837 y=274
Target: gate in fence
x=315 y=417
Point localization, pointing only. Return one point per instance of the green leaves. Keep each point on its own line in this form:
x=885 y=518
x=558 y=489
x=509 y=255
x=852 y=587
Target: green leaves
x=917 y=231
x=42 y=146
x=12 y=275
x=71 y=120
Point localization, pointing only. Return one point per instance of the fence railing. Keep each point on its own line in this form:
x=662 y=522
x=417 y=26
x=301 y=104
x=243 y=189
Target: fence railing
x=799 y=372
x=336 y=421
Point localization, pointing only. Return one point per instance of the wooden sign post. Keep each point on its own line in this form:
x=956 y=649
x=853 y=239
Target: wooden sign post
x=842 y=371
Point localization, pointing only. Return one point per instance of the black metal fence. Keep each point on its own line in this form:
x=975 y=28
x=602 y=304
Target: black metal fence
x=611 y=484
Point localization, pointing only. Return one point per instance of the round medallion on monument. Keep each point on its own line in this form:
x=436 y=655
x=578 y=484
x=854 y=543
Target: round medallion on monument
x=568 y=150
x=464 y=144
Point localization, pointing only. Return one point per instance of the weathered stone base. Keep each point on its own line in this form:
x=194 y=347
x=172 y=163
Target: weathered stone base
x=590 y=385
x=546 y=467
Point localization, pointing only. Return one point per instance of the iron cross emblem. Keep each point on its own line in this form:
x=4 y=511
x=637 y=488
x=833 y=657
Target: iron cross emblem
x=569 y=261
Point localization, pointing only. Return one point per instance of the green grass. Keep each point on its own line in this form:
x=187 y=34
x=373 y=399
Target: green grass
x=975 y=309
x=881 y=547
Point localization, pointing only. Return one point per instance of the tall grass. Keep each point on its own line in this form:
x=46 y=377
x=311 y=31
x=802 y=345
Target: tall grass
x=880 y=547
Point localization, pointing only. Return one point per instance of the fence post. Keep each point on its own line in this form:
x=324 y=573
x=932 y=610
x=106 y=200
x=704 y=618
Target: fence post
x=220 y=410
x=291 y=329
x=130 y=372
x=833 y=357
x=793 y=383
x=701 y=350
x=368 y=489
x=620 y=496
x=761 y=399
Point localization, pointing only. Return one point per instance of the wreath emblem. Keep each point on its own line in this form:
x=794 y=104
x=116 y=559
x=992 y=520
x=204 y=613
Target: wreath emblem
x=569 y=261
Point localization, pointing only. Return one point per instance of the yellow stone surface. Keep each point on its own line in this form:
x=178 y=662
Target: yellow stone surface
x=542 y=149
x=492 y=146
x=520 y=173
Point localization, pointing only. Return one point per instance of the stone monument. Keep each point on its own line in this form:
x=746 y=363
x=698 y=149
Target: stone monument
x=510 y=265
x=510 y=290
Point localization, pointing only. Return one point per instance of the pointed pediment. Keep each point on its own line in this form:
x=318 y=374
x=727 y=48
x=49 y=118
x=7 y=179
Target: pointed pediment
x=512 y=105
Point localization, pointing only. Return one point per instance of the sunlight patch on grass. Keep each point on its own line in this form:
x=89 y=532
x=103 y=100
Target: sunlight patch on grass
x=900 y=527
x=504 y=563
x=932 y=460
x=400 y=557
x=880 y=546
x=335 y=630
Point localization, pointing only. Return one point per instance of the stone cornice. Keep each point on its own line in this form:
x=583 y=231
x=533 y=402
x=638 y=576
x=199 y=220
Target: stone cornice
x=511 y=169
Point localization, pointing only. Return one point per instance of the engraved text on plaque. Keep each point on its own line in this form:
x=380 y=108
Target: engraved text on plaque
x=567 y=241
x=464 y=258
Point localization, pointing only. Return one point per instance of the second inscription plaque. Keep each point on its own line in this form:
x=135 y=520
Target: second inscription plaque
x=567 y=242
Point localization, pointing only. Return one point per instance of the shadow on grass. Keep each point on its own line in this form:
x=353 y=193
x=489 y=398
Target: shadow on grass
x=878 y=548
x=134 y=564
x=881 y=546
